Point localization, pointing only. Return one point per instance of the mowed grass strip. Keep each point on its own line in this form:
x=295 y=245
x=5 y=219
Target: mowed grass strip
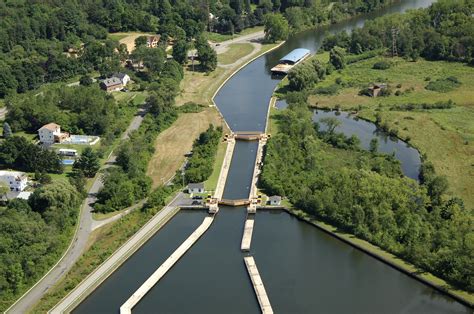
x=234 y=53
x=446 y=136
x=211 y=183
x=173 y=143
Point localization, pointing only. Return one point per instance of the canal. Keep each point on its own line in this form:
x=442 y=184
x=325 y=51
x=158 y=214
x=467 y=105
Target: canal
x=304 y=270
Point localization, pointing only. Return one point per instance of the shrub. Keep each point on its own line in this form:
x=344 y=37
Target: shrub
x=398 y=93
x=328 y=90
x=381 y=65
x=443 y=85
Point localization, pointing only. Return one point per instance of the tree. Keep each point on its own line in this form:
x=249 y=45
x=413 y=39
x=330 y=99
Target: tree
x=331 y=123
x=7 y=130
x=374 y=145
x=207 y=55
x=337 y=58
x=140 y=41
x=86 y=80
x=302 y=77
x=4 y=189
x=276 y=27
x=180 y=51
x=88 y=163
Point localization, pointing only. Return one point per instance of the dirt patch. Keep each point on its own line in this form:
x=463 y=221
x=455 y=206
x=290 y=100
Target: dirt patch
x=173 y=143
x=129 y=39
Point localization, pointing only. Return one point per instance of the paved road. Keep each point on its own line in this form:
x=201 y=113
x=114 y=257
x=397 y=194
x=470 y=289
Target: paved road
x=144 y=233
x=86 y=223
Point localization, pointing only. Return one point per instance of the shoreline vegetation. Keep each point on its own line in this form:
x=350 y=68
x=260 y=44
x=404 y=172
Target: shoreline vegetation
x=394 y=261
x=338 y=80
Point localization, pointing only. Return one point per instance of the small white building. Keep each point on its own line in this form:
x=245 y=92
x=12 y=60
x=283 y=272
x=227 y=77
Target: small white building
x=51 y=133
x=195 y=188
x=274 y=200
x=123 y=77
x=67 y=152
x=16 y=180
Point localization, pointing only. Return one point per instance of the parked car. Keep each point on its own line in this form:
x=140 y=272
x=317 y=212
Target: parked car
x=196 y=203
x=197 y=197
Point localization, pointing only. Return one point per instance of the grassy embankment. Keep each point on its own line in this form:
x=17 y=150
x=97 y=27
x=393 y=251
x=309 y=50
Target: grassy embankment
x=104 y=241
x=234 y=53
x=446 y=136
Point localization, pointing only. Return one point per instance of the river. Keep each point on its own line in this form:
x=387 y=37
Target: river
x=304 y=270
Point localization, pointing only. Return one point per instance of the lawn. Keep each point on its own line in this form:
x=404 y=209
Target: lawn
x=446 y=136
x=216 y=37
x=211 y=183
x=173 y=143
x=234 y=53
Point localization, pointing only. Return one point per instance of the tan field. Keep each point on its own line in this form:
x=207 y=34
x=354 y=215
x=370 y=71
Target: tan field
x=128 y=38
x=173 y=143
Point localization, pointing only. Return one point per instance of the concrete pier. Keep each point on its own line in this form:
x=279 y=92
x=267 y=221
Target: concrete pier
x=126 y=308
x=225 y=168
x=247 y=236
x=257 y=282
x=256 y=172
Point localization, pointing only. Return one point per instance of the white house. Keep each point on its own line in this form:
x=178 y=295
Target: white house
x=51 y=133
x=274 y=200
x=152 y=41
x=123 y=77
x=195 y=188
x=16 y=180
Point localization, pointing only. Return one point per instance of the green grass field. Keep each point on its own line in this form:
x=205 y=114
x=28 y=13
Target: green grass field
x=446 y=136
x=211 y=183
x=234 y=53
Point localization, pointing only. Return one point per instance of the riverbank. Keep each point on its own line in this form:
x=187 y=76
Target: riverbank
x=387 y=258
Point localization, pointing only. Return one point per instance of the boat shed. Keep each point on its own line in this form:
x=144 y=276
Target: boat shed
x=295 y=56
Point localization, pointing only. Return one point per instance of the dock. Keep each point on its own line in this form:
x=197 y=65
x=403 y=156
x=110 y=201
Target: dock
x=247 y=236
x=257 y=282
x=126 y=308
x=258 y=161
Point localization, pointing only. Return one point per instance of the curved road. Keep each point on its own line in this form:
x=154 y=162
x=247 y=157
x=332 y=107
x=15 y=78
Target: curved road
x=77 y=246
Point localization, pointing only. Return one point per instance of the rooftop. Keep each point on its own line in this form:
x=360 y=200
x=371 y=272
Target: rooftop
x=11 y=173
x=296 y=55
x=112 y=81
x=50 y=126
x=196 y=185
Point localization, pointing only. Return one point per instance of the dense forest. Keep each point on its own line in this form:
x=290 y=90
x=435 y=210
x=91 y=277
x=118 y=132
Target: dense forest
x=54 y=41
x=370 y=199
x=34 y=234
x=444 y=31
